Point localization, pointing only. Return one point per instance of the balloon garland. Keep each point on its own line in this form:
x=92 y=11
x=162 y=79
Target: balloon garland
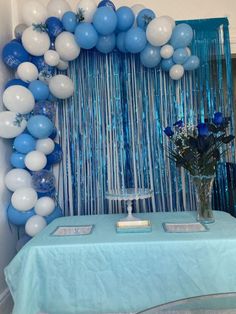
x=50 y=38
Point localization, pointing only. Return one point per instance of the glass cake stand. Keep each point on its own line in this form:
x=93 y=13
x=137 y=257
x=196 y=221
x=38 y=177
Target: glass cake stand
x=129 y=195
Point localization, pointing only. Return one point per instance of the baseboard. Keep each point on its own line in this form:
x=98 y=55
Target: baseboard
x=6 y=303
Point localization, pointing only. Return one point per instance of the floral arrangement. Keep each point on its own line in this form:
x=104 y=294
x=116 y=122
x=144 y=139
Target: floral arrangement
x=199 y=148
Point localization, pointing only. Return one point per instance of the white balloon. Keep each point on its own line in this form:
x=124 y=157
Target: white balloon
x=166 y=51
x=67 y=47
x=45 y=145
x=34 y=225
x=57 y=8
x=33 y=12
x=51 y=57
x=176 y=71
x=170 y=19
x=27 y=72
x=11 y=124
x=35 y=42
x=88 y=8
x=159 y=31
x=62 y=65
x=61 y=86
x=24 y=199
x=17 y=178
x=35 y=160
x=18 y=98
x=44 y=206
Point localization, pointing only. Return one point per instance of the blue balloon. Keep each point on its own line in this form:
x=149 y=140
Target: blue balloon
x=51 y=193
x=144 y=18
x=192 y=63
x=120 y=42
x=54 y=133
x=166 y=64
x=24 y=143
x=17 y=217
x=16 y=82
x=14 y=54
x=46 y=108
x=56 y=156
x=86 y=35
x=69 y=21
x=39 y=90
x=57 y=213
x=105 y=20
x=40 y=126
x=43 y=181
x=42 y=66
x=125 y=18
x=107 y=3
x=150 y=57
x=106 y=44
x=180 y=55
x=54 y=26
x=135 y=40
x=18 y=160
x=182 y=36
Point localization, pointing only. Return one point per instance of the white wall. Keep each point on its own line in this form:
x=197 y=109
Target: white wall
x=180 y=9
x=7 y=238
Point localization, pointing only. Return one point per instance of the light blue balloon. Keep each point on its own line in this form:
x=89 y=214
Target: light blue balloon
x=135 y=40
x=166 y=64
x=150 y=57
x=180 y=55
x=120 y=42
x=86 y=35
x=69 y=21
x=125 y=18
x=17 y=217
x=182 y=36
x=144 y=18
x=105 y=20
x=18 y=160
x=106 y=44
x=40 y=126
x=39 y=90
x=24 y=143
x=192 y=63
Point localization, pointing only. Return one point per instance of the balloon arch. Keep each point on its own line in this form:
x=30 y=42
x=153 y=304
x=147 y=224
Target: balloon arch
x=50 y=38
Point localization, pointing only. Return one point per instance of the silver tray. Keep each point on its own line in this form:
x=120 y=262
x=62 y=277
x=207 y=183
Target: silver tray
x=76 y=230
x=184 y=227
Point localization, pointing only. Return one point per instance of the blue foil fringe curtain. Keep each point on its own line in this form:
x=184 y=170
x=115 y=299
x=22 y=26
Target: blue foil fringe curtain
x=111 y=130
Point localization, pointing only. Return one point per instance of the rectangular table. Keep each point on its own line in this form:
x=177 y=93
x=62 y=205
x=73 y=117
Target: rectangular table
x=107 y=272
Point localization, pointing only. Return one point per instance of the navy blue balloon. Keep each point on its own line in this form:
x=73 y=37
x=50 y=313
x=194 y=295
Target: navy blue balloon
x=182 y=36
x=16 y=82
x=144 y=18
x=54 y=133
x=150 y=57
x=41 y=65
x=86 y=36
x=106 y=44
x=17 y=217
x=107 y=3
x=192 y=63
x=51 y=193
x=57 y=213
x=18 y=160
x=56 y=156
x=135 y=40
x=69 y=21
x=14 y=54
x=40 y=126
x=120 y=42
x=24 y=143
x=54 y=26
x=166 y=64
x=125 y=18
x=46 y=108
x=180 y=55
x=43 y=181
x=39 y=90
x=105 y=20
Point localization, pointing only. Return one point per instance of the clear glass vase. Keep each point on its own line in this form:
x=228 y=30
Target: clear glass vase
x=203 y=188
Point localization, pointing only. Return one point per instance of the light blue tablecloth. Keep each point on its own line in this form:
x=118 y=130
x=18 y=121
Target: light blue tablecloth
x=106 y=272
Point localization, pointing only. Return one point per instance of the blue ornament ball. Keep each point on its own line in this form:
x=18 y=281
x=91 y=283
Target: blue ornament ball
x=18 y=160
x=46 y=108
x=17 y=217
x=13 y=54
x=135 y=40
x=69 y=21
x=106 y=44
x=105 y=20
x=40 y=126
x=86 y=36
x=43 y=181
x=54 y=26
x=24 y=143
